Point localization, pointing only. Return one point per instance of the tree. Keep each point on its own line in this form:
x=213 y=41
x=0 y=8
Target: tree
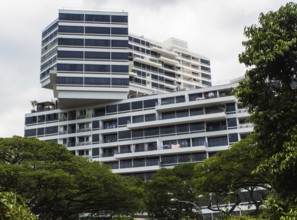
x=269 y=91
x=58 y=184
x=12 y=206
x=270 y=94
x=223 y=177
x=167 y=184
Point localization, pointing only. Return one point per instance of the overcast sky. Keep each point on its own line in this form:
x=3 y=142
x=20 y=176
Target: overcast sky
x=212 y=28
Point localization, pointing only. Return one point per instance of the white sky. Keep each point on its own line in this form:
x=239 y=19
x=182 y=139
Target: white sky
x=212 y=28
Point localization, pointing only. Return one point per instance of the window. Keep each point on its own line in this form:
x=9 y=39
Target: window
x=110 y=138
x=119 y=56
x=95 y=138
x=150 y=132
x=30 y=132
x=216 y=126
x=167 y=130
x=169 y=159
x=69 y=80
x=137 y=134
x=97 y=43
x=139 y=162
x=166 y=101
x=97 y=68
x=69 y=67
x=95 y=125
x=151 y=146
x=182 y=113
x=230 y=107
x=51 y=130
x=98 y=18
x=70 y=54
x=71 y=29
x=168 y=115
x=95 y=152
x=40 y=131
x=111 y=109
x=152 y=161
x=180 y=99
x=139 y=147
x=70 y=42
x=138 y=119
x=99 y=112
x=217 y=141
x=97 y=55
x=200 y=141
x=137 y=105
x=232 y=122
x=119 y=19
x=197 y=127
x=125 y=149
x=119 y=31
x=71 y=17
x=125 y=163
x=98 y=30
x=183 y=128
x=150 y=117
x=233 y=137
x=120 y=81
x=196 y=111
x=119 y=43
x=150 y=103
x=198 y=157
x=124 y=107
x=124 y=120
x=184 y=158
x=92 y=81
x=184 y=142
x=120 y=69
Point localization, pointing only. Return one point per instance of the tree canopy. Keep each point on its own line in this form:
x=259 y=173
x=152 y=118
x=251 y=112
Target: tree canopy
x=58 y=184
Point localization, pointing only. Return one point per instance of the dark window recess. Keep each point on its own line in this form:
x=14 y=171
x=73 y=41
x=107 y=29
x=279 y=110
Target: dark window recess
x=169 y=159
x=200 y=141
x=119 y=31
x=137 y=134
x=119 y=19
x=151 y=146
x=205 y=61
x=206 y=69
x=97 y=68
x=183 y=128
x=119 y=56
x=95 y=138
x=197 y=127
x=206 y=83
x=217 y=141
x=139 y=147
x=216 y=126
x=30 y=120
x=95 y=152
x=71 y=17
x=233 y=137
x=119 y=43
x=70 y=80
x=70 y=42
x=138 y=119
x=41 y=118
x=30 y=132
x=196 y=96
x=99 y=112
x=69 y=67
x=150 y=117
x=232 y=122
x=150 y=132
x=152 y=161
x=52 y=117
x=120 y=82
x=230 y=107
x=166 y=101
x=110 y=138
x=167 y=130
x=196 y=111
x=182 y=113
x=111 y=109
x=150 y=103
x=40 y=131
x=97 y=43
x=124 y=135
x=51 y=130
x=98 y=18
x=71 y=29
x=198 y=157
x=139 y=162
x=125 y=163
x=168 y=115
x=207 y=76
x=97 y=55
x=124 y=107
x=125 y=149
x=98 y=30
x=70 y=54
x=184 y=158
x=120 y=69
x=97 y=81
x=124 y=120
x=180 y=99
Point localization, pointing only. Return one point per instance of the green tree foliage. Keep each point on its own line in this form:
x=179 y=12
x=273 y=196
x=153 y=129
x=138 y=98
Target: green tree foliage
x=167 y=184
x=270 y=94
x=13 y=207
x=222 y=178
x=269 y=91
x=58 y=184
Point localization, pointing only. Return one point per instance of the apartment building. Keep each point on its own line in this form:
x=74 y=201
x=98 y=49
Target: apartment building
x=132 y=103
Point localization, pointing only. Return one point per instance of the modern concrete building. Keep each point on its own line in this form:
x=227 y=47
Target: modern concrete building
x=127 y=101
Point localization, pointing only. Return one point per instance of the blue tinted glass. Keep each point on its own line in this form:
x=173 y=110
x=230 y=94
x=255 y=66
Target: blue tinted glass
x=97 y=30
x=97 y=55
x=70 y=80
x=119 y=19
x=119 y=56
x=69 y=67
x=71 y=41
x=96 y=18
x=71 y=17
x=121 y=31
x=70 y=54
x=71 y=29
x=97 y=81
x=120 y=68
x=98 y=43
x=97 y=68
x=119 y=43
